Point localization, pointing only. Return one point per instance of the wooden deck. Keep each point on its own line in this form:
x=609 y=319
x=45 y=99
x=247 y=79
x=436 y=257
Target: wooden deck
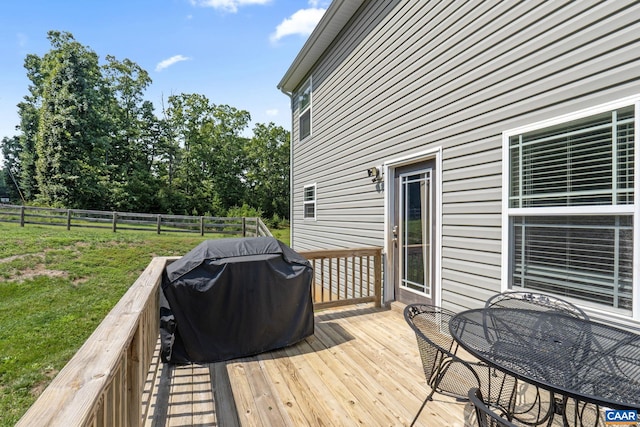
x=361 y=367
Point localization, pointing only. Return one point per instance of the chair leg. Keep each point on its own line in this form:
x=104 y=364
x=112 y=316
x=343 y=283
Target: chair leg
x=422 y=407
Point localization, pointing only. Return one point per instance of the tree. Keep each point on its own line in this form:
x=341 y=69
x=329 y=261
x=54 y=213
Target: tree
x=29 y=112
x=71 y=143
x=10 y=172
x=267 y=170
x=131 y=125
x=4 y=190
x=210 y=164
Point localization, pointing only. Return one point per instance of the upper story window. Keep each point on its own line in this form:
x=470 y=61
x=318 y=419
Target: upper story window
x=304 y=109
x=309 y=202
x=571 y=209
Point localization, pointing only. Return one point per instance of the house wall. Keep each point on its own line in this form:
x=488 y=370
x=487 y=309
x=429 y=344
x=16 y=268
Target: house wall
x=407 y=76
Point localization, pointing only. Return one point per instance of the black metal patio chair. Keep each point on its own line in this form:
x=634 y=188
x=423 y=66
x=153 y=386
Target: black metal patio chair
x=535 y=301
x=446 y=372
x=581 y=414
x=485 y=415
x=532 y=405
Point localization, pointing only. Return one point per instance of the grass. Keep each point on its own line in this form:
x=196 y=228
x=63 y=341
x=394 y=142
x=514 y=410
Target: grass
x=55 y=288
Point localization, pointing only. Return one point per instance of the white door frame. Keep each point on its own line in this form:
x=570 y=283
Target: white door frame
x=389 y=167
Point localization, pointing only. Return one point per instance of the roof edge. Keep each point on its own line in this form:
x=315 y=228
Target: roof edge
x=332 y=22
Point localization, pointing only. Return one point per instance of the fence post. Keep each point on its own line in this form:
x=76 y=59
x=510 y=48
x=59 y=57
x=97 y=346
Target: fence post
x=68 y=219
x=115 y=219
x=158 y=222
x=244 y=227
x=21 y=216
x=202 y=226
x=257 y=226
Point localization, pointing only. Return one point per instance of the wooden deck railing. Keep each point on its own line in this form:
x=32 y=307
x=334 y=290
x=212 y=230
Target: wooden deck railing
x=346 y=276
x=102 y=384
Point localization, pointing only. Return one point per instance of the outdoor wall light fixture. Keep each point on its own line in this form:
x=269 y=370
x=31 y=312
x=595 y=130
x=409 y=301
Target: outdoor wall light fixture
x=375 y=173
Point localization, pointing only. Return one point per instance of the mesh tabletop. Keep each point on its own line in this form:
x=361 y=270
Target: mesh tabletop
x=574 y=357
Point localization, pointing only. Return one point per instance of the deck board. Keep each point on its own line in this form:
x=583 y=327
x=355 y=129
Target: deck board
x=361 y=367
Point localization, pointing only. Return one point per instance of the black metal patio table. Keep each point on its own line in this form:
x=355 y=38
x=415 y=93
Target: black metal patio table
x=570 y=357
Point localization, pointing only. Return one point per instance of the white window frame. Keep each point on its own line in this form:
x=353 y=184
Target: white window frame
x=630 y=209
x=306 y=203
x=309 y=108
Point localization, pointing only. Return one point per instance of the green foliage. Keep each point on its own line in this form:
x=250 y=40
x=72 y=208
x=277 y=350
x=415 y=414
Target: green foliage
x=89 y=140
x=10 y=171
x=244 y=211
x=267 y=169
x=276 y=222
x=70 y=143
x=211 y=163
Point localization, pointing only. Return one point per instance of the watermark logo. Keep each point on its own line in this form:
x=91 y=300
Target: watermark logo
x=626 y=417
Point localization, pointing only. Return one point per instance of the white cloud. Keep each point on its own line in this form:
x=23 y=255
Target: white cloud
x=170 y=61
x=319 y=3
x=302 y=22
x=272 y=112
x=227 y=5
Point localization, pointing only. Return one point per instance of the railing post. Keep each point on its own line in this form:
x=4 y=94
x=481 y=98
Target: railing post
x=21 y=216
x=135 y=378
x=158 y=222
x=202 y=226
x=68 y=219
x=244 y=227
x=115 y=220
x=377 y=273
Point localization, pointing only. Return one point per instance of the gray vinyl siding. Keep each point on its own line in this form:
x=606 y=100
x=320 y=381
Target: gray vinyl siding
x=406 y=76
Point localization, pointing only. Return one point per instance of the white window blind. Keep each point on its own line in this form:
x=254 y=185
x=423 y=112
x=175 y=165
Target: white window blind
x=587 y=162
x=585 y=257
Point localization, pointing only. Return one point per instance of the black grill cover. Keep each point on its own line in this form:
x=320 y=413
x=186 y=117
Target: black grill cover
x=231 y=298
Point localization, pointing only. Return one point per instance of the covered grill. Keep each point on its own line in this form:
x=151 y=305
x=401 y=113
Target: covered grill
x=231 y=298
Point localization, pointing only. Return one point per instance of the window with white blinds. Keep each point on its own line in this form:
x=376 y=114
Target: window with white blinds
x=557 y=175
x=309 y=202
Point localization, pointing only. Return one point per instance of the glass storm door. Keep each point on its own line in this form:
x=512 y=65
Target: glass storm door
x=413 y=234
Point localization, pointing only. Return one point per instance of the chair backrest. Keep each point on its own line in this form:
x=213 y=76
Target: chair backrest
x=485 y=416
x=532 y=301
x=445 y=372
x=431 y=326
x=535 y=301
x=433 y=323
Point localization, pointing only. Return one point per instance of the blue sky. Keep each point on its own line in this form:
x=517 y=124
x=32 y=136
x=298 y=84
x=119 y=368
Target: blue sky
x=233 y=51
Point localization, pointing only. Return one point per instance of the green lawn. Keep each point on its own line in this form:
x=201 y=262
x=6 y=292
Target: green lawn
x=55 y=288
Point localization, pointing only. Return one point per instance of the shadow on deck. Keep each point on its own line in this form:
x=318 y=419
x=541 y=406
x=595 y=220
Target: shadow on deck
x=361 y=367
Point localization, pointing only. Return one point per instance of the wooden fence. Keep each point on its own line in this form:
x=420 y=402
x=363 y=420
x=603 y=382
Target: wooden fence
x=102 y=384
x=159 y=223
